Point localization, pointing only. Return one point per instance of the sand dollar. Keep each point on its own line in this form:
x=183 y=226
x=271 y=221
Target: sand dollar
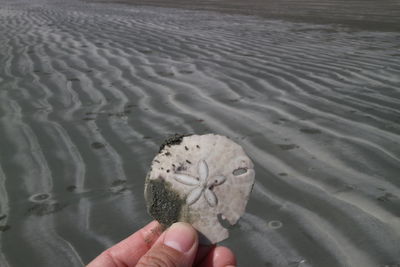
x=204 y=180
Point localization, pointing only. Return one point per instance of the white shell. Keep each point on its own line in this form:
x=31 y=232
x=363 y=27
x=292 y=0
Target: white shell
x=194 y=195
x=203 y=170
x=186 y=179
x=210 y=197
x=200 y=170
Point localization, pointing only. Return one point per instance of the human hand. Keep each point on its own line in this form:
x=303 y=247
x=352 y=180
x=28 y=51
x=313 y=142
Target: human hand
x=178 y=246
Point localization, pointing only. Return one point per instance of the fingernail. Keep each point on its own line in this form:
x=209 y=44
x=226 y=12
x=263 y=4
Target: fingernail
x=180 y=236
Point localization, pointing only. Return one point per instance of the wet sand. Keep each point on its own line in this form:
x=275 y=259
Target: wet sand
x=359 y=14
x=88 y=92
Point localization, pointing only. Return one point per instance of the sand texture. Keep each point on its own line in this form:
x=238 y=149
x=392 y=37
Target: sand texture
x=88 y=92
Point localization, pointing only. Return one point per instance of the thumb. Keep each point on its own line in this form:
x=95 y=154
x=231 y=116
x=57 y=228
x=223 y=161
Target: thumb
x=176 y=247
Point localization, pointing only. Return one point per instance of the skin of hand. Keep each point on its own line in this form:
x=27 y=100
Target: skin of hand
x=178 y=246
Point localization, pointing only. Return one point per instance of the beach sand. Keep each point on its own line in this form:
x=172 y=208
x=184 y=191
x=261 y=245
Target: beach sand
x=88 y=92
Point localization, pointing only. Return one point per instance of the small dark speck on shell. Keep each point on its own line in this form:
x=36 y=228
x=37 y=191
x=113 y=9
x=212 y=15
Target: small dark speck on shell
x=188 y=161
x=163 y=203
x=197 y=146
x=181 y=167
x=176 y=139
x=186 y=148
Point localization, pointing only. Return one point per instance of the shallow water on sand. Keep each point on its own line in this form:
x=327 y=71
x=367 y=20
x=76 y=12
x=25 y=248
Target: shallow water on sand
x=88 y=91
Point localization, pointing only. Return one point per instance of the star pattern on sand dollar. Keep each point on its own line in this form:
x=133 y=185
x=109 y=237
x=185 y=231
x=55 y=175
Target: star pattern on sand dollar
x=203 y=184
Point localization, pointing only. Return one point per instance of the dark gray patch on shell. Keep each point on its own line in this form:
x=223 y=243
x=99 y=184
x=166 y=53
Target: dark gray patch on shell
x=176 y=139
x=163 y=204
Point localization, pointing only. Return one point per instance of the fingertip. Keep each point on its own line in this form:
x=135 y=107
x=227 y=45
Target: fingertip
x=223 y=256
x=177 y=246
x=181 y=236
x=202 y=252
x=220 y=257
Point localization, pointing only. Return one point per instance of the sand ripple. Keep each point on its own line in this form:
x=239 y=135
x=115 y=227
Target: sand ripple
x=89 y=91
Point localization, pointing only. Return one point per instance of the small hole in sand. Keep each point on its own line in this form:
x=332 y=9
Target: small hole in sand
x=39 y=197
x=274 y=224
x=239 y=171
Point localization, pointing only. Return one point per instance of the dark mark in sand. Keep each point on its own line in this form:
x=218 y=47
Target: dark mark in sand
x=42 y=209
x=88 y=119
x=186 y=71
x=97 y=145
x=4 y=228
x=118 y=182
x=118 y=186
x=288 y=146
x=70 y=188
x=386 y=197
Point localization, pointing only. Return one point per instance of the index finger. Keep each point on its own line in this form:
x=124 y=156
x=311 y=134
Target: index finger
x=130 y=250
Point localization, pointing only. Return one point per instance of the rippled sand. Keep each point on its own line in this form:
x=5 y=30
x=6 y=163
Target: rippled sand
x=88 y=91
